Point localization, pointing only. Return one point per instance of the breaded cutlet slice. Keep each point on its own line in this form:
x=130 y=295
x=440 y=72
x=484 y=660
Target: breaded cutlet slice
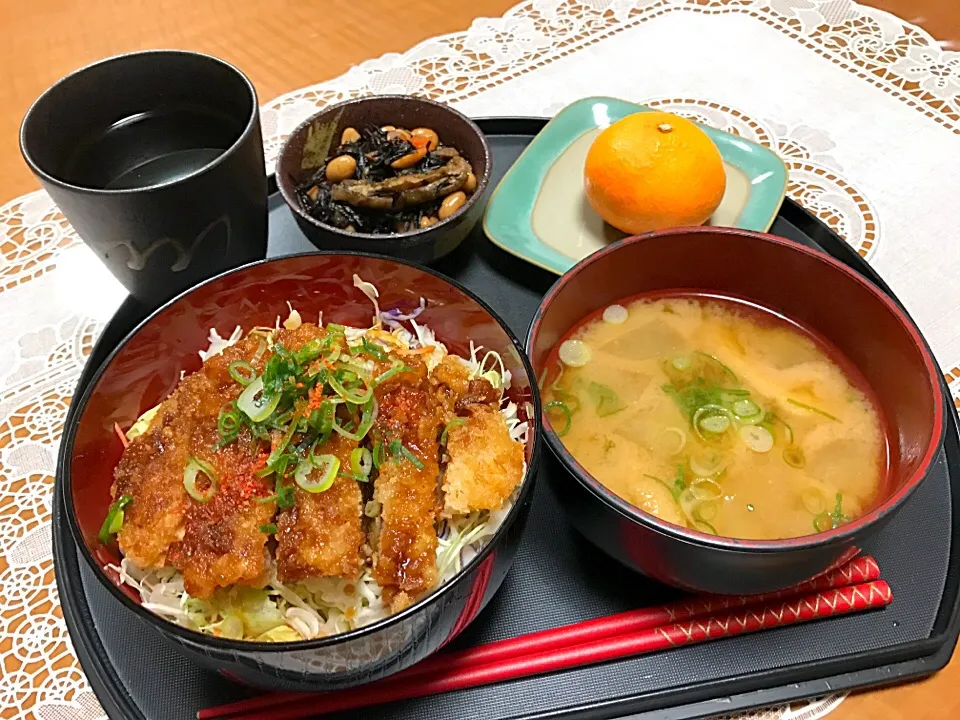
x=406 y=544
x=151 y=468
x=485 y=464
x=321 y=535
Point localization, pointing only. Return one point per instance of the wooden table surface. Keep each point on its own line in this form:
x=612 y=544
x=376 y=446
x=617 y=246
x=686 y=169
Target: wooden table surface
x=286 y=44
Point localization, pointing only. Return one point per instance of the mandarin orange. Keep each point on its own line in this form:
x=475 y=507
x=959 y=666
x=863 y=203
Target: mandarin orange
x=653 y=170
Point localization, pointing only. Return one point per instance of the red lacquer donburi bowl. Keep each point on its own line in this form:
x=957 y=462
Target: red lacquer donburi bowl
x=146 y=367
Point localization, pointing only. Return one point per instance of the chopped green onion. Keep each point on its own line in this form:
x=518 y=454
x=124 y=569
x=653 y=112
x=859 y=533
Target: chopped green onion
x=811 y=408
x=757 y=438
x=285 y=497
x=822 y=522
x=715 y=424
x=713 y=419
x=813 y=500
x=311 y=350
x=395 y=446
x=793 y=456
x=745 y=409
x=335 y=329
x=706 y=489
x=406 y=453
x=398 y=367
x=608 y=402
x=665 y=484
x=256 y=403
x=838 y=517
x=706 y=510
x=228 y=422
x=322 y=418
x=190 y=472
x=453 y=423
x=366 y=422
x=280 y=371
x=114 y=520
x=324 y=466
x=378 y=453
x=723 y=367
x=679 y=482
x=278 y=451
x=361 y=463
x=770 y=419
x=706 y=463
x=827 y=521
x=562 y=407
x=332 y=356
x=270 y=529
x=358 y=398
x=375 y=350
x=704 y=526
x=242 y=372
x=572 y=401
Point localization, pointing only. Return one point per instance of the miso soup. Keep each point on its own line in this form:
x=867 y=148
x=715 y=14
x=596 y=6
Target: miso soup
x=717 y=415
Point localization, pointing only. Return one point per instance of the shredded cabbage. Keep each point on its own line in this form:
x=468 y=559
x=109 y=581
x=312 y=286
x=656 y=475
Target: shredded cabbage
x=219 y=344
x=142 y=423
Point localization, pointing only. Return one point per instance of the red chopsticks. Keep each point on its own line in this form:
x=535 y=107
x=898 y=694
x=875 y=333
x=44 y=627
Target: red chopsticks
x=852 y=588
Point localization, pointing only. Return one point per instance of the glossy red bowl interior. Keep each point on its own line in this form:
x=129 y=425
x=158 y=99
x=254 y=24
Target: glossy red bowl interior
x=148 y=364
x=805 y=285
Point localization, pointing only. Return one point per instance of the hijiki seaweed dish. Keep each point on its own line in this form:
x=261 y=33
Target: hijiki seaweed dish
x=310 y=479
x=384 y=180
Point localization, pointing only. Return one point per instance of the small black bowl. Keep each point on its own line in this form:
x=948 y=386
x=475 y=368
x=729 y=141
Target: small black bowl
x=454 y=128
x=147 y=365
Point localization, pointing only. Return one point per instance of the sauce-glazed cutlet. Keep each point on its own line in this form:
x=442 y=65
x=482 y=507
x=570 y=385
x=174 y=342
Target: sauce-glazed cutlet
x=407 y=491
x=223 y=544
x=321 y=535
x=212 y=544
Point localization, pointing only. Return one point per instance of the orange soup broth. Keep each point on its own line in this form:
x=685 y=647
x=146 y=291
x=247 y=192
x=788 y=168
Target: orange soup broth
x=829 y=460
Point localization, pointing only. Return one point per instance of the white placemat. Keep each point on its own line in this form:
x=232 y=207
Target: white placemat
x=864 y=108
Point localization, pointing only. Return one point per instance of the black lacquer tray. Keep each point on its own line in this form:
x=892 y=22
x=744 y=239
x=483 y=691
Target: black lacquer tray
x=558 y=579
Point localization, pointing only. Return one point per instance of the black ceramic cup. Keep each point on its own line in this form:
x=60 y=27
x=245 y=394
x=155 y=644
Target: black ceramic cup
x=156 y=159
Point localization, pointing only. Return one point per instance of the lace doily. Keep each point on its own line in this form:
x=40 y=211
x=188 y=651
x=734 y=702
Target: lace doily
x=769 y=70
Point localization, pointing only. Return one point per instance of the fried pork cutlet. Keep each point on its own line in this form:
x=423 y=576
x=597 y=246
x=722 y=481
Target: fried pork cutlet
x=151 y=468
x=406 y=488
x=321 y=535
x=485 y=463
x=223 y=544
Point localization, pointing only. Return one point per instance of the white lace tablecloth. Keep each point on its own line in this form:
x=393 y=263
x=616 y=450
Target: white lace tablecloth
x=863 y=107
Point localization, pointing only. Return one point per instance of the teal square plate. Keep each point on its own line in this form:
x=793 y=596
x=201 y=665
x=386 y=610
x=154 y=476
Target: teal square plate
x=539 y=211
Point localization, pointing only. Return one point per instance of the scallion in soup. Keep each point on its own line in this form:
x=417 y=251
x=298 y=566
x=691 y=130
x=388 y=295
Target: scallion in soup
x=717 y=415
